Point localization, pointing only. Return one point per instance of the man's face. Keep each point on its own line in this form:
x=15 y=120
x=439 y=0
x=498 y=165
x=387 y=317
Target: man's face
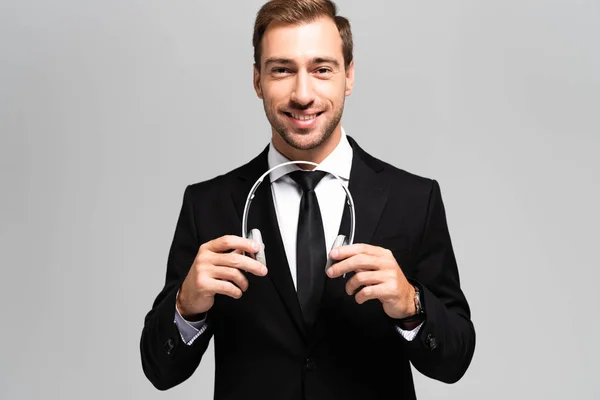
x=303 y=82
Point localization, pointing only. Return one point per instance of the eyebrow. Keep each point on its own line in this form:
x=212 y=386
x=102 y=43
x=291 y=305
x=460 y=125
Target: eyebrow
x=315 y=60
x=275 y=60
x=326 y=60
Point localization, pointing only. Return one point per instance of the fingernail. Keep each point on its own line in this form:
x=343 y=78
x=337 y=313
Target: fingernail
x=264 y=270
x=334 y=253
x=255 y=246
x=329 y=271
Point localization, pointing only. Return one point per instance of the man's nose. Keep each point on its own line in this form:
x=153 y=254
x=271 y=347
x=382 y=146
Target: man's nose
x=302 y=93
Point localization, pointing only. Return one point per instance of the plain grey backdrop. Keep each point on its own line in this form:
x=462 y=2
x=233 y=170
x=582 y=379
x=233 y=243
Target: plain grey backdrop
x=108 y=109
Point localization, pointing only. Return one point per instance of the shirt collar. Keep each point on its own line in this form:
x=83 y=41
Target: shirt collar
x=338 y=162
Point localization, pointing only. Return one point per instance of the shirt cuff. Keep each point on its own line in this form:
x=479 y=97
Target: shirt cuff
x=189 y=330
x=409 y=335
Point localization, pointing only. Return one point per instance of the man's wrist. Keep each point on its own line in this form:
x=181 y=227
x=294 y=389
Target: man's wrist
x=413 y=303
x=411 y=306
x=181 y=310
x=417 y=315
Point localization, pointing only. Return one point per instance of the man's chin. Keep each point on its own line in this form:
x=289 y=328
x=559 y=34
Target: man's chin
x=303 y=139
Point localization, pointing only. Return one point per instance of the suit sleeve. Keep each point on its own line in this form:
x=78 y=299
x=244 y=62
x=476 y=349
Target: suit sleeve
x=166 y=359
x=445 y=344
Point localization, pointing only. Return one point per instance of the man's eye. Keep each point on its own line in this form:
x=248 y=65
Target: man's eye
x=323 y=71
x=279 y=71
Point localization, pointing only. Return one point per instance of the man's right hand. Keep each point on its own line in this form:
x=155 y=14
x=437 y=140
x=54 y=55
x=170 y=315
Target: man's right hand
x=217 y=271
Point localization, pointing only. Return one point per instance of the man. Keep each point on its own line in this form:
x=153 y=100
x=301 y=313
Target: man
x=390 y=299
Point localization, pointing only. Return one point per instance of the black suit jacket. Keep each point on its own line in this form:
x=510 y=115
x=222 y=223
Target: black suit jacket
x=262 y=349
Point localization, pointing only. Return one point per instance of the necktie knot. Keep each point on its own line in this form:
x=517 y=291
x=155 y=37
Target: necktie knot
x=307 y=180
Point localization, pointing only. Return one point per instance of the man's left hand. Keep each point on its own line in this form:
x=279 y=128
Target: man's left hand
x=378 y=271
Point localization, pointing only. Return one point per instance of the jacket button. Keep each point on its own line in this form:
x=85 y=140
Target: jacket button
x=431 y=342
x=169 y=346
x=310 y=364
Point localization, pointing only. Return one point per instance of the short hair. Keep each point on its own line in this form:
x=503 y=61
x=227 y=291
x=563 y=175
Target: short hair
x=296 y=12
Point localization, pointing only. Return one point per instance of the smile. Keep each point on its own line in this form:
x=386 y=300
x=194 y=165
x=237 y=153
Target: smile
x=302 y=117
x=303 y=121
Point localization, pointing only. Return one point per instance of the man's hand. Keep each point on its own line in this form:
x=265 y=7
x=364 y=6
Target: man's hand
x=216 y=271
x=377 y=270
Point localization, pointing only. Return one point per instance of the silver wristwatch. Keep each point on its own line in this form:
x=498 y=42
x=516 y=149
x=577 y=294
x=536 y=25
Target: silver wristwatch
x=418 y=304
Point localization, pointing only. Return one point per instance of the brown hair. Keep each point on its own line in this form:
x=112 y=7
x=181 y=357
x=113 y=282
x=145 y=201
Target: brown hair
x=295 y=12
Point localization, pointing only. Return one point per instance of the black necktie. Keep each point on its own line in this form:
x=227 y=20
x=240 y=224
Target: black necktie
x=311 y=255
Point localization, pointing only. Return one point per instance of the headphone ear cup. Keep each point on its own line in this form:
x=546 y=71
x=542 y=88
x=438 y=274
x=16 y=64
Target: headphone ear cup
x=338 y=242
x=260 y=255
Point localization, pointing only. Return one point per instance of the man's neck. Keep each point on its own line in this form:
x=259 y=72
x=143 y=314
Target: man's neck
x=316 y=155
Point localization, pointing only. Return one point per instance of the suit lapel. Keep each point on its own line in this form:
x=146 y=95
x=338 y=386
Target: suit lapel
x=369 y=190
x=263 y=217
x=368 y=187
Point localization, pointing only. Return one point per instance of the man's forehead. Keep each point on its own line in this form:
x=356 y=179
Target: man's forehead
x=319 y=38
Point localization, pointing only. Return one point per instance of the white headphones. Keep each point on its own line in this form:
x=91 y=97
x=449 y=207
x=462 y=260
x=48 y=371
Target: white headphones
x=340 y=240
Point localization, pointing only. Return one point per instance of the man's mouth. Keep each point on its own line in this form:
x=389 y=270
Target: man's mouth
x=303 y=117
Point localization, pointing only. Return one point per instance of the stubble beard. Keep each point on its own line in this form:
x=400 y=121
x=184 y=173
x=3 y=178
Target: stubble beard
x=291 y=139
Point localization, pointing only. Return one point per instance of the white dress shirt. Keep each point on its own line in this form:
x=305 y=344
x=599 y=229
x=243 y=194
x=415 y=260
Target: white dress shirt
x=286 y=198
x=331 y=196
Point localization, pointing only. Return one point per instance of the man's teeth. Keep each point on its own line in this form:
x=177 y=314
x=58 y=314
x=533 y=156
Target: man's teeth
x=304 y=117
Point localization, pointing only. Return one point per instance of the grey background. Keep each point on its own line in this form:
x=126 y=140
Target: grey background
x=109 y=108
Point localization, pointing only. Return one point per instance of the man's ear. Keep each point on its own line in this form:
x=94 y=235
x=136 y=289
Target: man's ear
x=350 y=78
x=256 y=80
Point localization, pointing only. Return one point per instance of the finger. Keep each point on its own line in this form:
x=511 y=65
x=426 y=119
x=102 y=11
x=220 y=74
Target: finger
x=354 y=263
x=342 y=252
x=227 y=288
x=232 y=242
x=240 y=262
x=364 y=278
x=233 y=275
x=380 y=292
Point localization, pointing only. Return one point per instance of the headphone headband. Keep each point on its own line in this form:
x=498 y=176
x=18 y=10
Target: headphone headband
x=250 y=197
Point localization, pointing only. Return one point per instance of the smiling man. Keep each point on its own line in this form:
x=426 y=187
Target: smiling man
x=286 y=328
x=303 y=78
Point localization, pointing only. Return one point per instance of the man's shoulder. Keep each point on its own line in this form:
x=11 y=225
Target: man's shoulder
x=401 y=178
x=414 y=188
x=406 y=175
x=214 y=185
x=228 y=179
